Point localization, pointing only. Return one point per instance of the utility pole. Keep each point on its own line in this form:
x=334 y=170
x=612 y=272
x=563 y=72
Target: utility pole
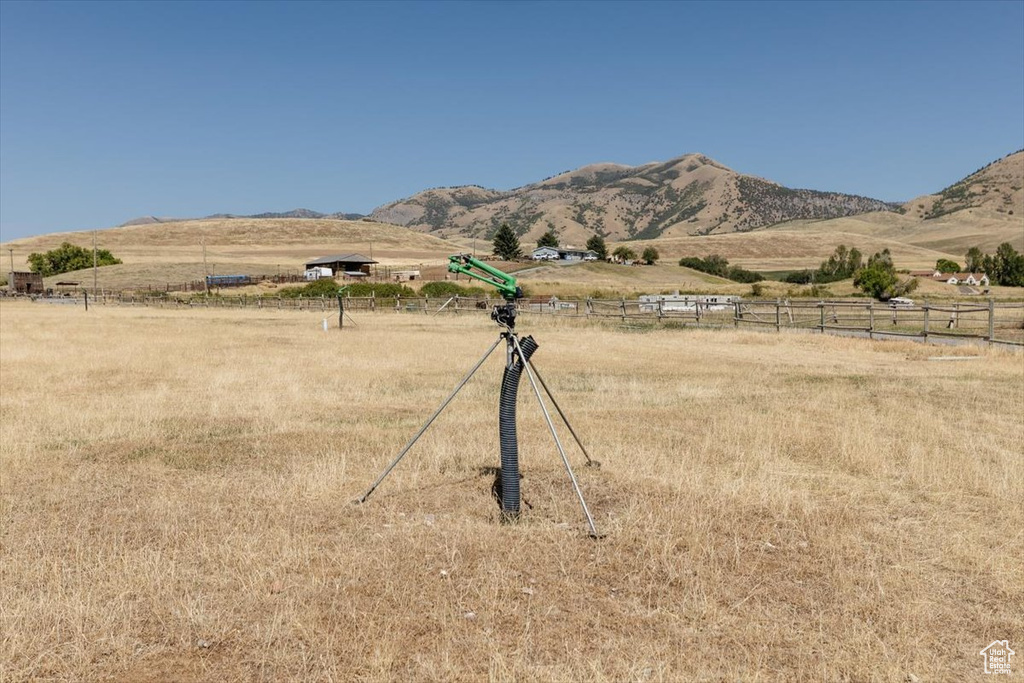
x=94 y=263
x=206 y=272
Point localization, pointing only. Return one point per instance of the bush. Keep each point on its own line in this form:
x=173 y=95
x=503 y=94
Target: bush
x=329 y=287
x=716 y=265
x=650 y=256
x=444 y=288
x=799 y=277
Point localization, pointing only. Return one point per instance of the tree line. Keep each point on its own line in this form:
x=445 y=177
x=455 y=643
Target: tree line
x=68 y=257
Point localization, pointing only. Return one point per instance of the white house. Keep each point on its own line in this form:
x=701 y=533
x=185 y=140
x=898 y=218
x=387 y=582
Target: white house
x=972 y=279
x=563 y=254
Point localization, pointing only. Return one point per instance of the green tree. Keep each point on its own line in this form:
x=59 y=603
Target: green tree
x=944 y=265
x=879 y=278
x=624 y=253
x=68 y=257
x=1009 y=265
x=506 y=243
x=650 y=256
x=548 y=239
x=975 y=260
x=596 y=244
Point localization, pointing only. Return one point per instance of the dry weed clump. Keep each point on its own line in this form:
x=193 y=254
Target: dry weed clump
x=177 y=486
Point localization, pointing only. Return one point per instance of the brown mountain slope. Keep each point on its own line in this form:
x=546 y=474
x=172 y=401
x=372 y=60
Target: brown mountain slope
x=689 y=195
x=997 y=188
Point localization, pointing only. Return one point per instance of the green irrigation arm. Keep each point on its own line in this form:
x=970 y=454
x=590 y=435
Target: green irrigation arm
x=503 y=282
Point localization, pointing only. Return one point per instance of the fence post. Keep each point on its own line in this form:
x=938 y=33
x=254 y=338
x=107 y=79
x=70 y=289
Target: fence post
x=86 y=300
x=622 y=307
x=778 y=315
x=871 y=320
x=373 y=300
x=821 y=322
x=926 y=309
x=659 y=310
x=991 y=321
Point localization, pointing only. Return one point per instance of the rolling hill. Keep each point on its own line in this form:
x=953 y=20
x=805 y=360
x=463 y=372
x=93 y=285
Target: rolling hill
x=172 y=252
x=689 y=195
x=997 y=188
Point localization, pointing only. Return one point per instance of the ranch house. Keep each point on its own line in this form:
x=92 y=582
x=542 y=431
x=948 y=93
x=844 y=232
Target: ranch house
x=563 y=254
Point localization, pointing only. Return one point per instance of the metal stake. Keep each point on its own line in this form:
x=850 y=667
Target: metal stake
x=362 y=499
x=561 y=451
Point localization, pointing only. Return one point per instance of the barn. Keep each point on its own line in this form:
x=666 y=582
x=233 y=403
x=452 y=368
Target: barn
x=25 y=283
x=352 y=265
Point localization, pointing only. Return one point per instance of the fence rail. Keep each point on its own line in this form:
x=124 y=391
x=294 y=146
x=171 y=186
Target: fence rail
x=988 y=321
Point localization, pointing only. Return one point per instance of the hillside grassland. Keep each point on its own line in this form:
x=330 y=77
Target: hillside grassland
x=172 y=252
x=783 y=507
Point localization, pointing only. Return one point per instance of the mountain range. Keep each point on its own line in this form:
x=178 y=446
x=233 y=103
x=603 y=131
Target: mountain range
x=688 y=195
x=691 y=195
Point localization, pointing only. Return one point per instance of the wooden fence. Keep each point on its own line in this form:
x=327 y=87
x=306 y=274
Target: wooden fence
x=985 y=320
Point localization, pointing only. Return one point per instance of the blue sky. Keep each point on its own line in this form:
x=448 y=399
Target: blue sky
x=112 y=111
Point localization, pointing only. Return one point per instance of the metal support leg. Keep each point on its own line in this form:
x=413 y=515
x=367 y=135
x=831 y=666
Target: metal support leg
x=554 y=434
x=590 y=461
x=362 y=499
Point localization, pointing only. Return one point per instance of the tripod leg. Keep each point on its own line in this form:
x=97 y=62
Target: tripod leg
x=554 y=434
x=590 y=461
x=387 y=471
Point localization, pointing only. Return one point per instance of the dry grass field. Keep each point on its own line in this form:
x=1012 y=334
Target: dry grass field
x=177 y=486
x=172 y=252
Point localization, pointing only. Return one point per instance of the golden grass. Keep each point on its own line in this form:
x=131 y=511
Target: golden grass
x=172 y=252
x=176 y=488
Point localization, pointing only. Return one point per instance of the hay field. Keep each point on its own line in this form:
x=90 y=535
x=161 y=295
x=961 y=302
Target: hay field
x=176 y=488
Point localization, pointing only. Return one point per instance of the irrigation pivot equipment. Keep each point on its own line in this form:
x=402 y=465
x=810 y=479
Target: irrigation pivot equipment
x=518 y=355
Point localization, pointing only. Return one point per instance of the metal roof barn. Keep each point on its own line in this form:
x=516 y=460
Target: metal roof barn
x=343 y=263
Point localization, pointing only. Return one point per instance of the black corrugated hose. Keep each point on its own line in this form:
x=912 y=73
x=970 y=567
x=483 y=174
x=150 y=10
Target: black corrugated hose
x=507 y=430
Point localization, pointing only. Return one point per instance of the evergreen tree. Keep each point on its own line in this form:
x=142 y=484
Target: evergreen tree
x=596 y=244
x=506 y=243
x=548 y=239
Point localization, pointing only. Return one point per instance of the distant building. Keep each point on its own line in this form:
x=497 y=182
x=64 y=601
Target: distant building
x=349 y=265
x=25 y=282
x=563 y=254
x=972 y=279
